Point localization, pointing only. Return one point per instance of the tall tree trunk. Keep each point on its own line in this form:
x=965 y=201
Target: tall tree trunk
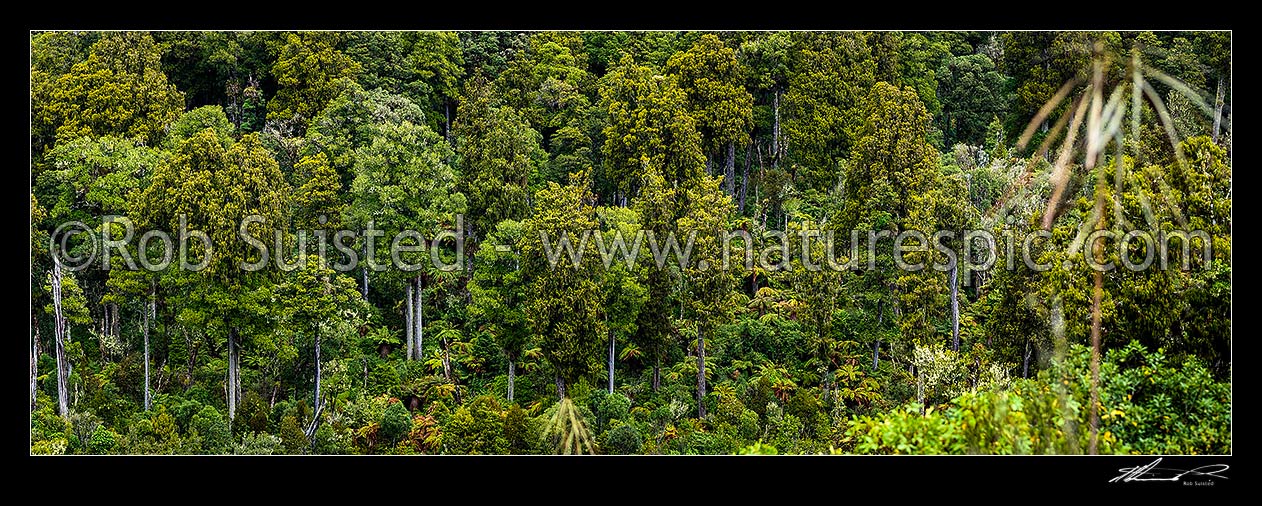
x=1095 y=354
x=560 y=387
x=955 y=308
x=612 y=347
x=512 y=375
x=876 y=347
x=700 y=375
x=419 y=320
x=657 y=373
x=105 y=329
x=446 y=359
x=1218 y=109
x=407 y=322
x=115 y=320
x=317 y=367
x=232 y=374
x=876 y=353
x=920 y=393
x=1097 y=251
x=729 y=169
x=365 y=271
x=59 y=326
x=775 y=131
x=149 y=308
x=1025 y=367
x=34 y=357
x=749 y=160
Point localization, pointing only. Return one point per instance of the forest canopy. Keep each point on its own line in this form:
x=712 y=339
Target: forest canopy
x=630 y=242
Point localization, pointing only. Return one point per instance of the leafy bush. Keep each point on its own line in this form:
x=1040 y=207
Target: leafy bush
x=476 y=428
x=212 y=428
x=252 y=414
x=258 y=443
x=517 y=431
x=395 y=422
x=1158 y=407
x=184 y=412
x=329 y=441
x=613 y=406
x=623 y=440
x=49 y=447
x=292 y=435
x=1049 y=414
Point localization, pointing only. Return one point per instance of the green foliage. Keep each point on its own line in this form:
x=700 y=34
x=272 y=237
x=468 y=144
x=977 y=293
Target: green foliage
x=258 y=443
x=623 y=440
x=972 y=92
x=610 y=407
x=103 y=441
x=1163 y=408
x=518 y=431
x=567 y=431
x=499 y=155
x=1048 y=414
x=592 y=138
x=423 y=66
x=310 y=72
x=119 y=89
x=292 y=437
x=195 y=121
x=90 y=177
x=395 y=422
x=564 y=311
x=713 y=80
x=252 y=415
x=758 y=448
x=648 y=128
x=477 y=428
x=827 y=86
x=212 y=429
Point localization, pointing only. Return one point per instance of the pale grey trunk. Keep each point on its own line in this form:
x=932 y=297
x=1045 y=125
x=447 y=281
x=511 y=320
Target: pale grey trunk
x=560 y=388
x=105 y=330
x=317 y=366
x=955 y=309
x=876 y=353
x=149 y=308
x=920 y=392
x=749 y=160
x=612 y=346
x=447 y=360
x=512 y=374
x=115 y=320
x=419 y=320
x=775 y=131
x=232 y=375
x=34 y=357
x=1218 y=109
x=59 y=326
x=729 y=169
x=700 y=375
x=657 y=373
x=408 y=329
x=1025 y=368
x=365 y=271
x=876 y=347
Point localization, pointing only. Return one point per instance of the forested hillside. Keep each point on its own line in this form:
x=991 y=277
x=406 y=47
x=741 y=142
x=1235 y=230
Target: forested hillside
x=513 y=164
